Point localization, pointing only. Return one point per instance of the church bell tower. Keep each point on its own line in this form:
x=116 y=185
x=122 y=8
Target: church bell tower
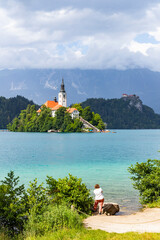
x=62 y=96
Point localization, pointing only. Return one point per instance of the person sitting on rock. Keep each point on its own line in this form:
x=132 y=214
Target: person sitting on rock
x=99 y=198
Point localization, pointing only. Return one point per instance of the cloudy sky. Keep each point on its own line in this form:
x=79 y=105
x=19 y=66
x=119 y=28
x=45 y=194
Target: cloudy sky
x=92 y=34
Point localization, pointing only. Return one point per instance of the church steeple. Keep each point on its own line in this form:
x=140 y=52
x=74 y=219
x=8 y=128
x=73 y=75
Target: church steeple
x=62 y=96
x=62 y=86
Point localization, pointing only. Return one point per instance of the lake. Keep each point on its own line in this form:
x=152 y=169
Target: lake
x=101 y=158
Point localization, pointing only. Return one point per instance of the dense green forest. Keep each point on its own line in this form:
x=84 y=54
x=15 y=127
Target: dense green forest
x=117 y=113
x=29 y=121
x=11 y=108
x=124 y=113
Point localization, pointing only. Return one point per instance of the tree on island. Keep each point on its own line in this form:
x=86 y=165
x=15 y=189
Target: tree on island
x=64 y=123
x=94 y=118
x=30 y=121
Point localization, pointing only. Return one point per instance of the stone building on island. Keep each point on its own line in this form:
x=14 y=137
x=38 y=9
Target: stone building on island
x=62 y=102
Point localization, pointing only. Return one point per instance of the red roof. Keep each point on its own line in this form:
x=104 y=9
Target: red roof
x=51 y=104
x=71 y=110
x=56 y=107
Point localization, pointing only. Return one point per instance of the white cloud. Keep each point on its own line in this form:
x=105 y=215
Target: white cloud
x=78 y=34
x=50 y=85
x=156 y=34
x=18 y=87
x=141 y=47
x=78 y=89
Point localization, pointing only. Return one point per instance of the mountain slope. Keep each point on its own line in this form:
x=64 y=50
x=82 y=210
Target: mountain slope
x=124 y=113
x=44 y=84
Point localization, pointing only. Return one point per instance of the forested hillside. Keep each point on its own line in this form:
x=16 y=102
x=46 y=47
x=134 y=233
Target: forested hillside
x=124 y=113
x=11 y=108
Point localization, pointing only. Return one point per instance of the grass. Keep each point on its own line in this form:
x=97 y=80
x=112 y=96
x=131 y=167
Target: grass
x=73 y=233
x=4 y=236
x=52 y=219
x=60 y=223
x=85 y=234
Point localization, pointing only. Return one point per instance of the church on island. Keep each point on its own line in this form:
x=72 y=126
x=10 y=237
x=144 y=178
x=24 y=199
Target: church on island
x=62 y=102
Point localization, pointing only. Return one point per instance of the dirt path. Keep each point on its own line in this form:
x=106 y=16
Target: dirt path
x=145 y=221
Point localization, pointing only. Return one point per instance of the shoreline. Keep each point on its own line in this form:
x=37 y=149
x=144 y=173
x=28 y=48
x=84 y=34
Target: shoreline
x=125 y=211
x=146 y=220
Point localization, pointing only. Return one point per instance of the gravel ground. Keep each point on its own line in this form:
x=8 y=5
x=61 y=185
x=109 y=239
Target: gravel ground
x=147 y=220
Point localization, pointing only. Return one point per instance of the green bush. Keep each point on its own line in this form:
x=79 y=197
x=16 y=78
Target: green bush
x=12 y=206
x=146 y=177
x=36 y=198
x=54 y=218
x=155 y=204
x=39 y=209
x=42 y=209
x=72 y=190
x=16 y=203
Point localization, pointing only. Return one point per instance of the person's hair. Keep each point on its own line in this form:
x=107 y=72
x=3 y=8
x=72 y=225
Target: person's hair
x=97 y=186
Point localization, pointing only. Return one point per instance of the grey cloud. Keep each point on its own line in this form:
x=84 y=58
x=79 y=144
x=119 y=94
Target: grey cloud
x=71 y=34
x=101 y=5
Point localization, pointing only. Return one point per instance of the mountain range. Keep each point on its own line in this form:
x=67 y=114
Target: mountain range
x=41 y=85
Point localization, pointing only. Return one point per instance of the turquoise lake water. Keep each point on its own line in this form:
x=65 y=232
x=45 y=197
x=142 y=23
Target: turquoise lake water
x=101 y=158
